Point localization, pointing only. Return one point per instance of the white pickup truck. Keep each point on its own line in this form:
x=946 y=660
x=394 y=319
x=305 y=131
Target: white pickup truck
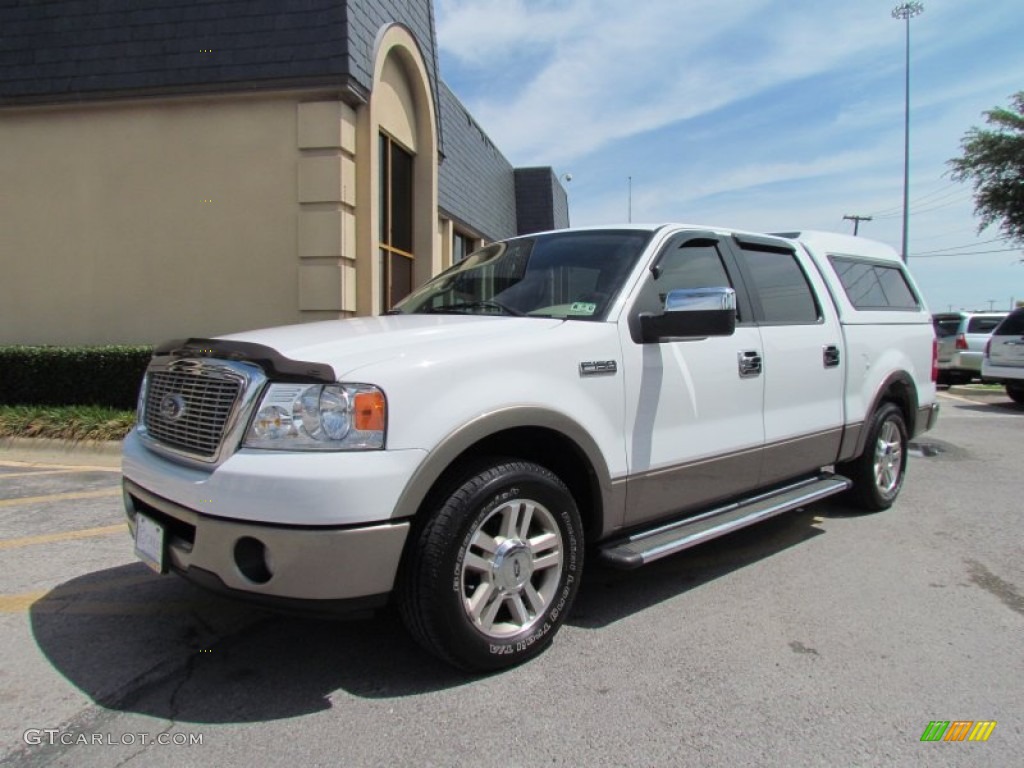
x=626 y=392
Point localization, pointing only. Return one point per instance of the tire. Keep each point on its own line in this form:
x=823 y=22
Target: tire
x=878 y=473
x=1016 y=393
x=493 y=572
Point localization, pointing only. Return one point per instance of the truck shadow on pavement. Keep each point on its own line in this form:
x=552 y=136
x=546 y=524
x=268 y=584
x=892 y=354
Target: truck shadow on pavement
x=608 y=594
x=157 y=646
x=1007 y=407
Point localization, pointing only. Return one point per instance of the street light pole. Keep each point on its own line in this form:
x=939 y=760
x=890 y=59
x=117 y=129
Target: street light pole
x=906 y=11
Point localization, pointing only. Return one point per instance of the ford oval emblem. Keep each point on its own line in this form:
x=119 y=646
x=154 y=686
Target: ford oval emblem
x=172 y=407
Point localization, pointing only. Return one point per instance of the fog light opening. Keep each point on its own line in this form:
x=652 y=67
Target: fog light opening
x=251 y=559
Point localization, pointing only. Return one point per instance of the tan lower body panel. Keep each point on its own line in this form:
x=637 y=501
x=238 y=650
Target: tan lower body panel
x=301 y=563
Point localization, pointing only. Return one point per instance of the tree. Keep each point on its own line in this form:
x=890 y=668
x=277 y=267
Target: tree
x=993 y=160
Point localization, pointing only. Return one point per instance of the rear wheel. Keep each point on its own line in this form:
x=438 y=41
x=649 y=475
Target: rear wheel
x=1016 y=393
x=878 y=473
x=494 y=571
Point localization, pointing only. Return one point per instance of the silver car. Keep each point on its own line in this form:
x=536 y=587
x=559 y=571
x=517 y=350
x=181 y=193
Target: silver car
x=962 y=337
x=1003 y=362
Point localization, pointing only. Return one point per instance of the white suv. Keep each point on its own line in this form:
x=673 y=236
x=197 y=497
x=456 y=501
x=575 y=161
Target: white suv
x=1004 y=356
x=962 y=338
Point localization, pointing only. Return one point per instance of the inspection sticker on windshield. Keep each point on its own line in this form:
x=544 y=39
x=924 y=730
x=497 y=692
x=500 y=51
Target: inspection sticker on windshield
x=582 y=308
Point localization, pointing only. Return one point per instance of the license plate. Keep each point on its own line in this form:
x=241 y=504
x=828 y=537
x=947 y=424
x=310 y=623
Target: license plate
x=149 y=542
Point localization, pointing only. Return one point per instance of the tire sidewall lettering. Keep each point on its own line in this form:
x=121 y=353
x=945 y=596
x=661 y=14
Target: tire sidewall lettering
x=447 y=628
x=516 y=645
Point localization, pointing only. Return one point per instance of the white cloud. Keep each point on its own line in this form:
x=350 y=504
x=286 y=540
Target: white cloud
x=747 y=113
x=607 y=75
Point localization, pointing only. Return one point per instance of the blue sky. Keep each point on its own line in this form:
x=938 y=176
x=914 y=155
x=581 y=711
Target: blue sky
x=761 y=115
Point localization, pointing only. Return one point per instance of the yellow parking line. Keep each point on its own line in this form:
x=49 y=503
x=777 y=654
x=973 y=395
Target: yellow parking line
x=947 y=396
x=47 y=465
x=60 y=597
x=71 y=496
x=19 y=603
x=5 y=475
x=47 y=538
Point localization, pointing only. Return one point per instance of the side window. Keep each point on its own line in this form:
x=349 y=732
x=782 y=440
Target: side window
x=683 y=266
x=781 y=285
x=1013 y=325
x=982 y=324
x=874 y=286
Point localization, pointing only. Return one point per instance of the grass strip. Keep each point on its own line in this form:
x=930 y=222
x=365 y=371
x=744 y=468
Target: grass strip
x=71 y=422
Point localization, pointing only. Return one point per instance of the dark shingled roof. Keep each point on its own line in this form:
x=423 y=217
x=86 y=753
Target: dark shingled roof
x=541 y=201
x=53 y=50
x=474 y=182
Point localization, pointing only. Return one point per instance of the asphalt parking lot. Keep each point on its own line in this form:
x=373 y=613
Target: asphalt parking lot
x=821 y=638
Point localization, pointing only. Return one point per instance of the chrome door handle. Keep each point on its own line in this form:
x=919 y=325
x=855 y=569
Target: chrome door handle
x=749 y=363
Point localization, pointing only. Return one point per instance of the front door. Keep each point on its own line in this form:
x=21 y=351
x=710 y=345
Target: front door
x=694 y=429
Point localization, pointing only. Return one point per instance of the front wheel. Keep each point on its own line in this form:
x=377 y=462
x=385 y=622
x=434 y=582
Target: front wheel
x=878 y=473
x=493 y=572
x=1016 y=393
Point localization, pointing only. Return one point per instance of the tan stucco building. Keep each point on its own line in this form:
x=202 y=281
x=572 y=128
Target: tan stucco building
x=197 y=171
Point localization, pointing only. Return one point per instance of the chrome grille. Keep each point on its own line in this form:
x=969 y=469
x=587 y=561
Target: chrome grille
x=189 y=409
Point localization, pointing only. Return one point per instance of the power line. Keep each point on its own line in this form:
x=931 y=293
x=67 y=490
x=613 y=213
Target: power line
x=947 y=233
x=966 y=245
x=964 y=253
x=947 y=189
x=925 y=210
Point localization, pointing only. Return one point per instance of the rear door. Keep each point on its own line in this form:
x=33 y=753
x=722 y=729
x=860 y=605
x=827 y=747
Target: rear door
x=804 y=358
x=1007 y=349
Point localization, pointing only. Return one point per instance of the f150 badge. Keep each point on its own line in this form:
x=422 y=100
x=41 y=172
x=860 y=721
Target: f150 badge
x=598 y=367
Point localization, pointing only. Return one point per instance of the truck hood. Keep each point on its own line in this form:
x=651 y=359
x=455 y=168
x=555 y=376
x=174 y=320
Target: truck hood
x=347 y=345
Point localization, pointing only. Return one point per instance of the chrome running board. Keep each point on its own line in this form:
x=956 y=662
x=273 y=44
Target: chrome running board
x=645 y=547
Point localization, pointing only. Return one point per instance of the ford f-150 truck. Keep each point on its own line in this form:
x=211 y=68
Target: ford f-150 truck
x=624 y=393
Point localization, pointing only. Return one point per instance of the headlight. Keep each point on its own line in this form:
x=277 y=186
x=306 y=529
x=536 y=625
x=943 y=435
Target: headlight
x=319 y=417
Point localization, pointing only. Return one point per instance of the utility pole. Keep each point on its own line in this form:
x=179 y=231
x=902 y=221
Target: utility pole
x=856 y=221
x=629 y=209
x=906 y=11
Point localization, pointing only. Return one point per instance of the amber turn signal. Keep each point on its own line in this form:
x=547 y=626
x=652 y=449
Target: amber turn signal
x=369 y=411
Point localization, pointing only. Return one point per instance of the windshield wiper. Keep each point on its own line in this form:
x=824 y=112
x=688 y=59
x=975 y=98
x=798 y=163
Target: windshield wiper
x=486 y=303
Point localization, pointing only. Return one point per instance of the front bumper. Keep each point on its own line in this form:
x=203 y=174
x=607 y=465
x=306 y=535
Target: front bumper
x=312 y=567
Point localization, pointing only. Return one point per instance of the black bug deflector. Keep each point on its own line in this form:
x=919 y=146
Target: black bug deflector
x=277 y=366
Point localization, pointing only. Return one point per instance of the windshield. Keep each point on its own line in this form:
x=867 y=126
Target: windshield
x=571 y=275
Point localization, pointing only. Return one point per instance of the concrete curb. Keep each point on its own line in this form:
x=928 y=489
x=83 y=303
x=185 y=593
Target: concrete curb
x=48 y=451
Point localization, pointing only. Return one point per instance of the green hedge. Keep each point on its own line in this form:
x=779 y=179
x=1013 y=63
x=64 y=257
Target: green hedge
x=106 y=376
